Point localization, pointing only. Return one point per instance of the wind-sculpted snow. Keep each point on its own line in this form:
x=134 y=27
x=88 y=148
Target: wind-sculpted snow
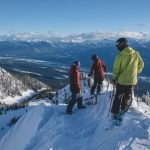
x=47 y=127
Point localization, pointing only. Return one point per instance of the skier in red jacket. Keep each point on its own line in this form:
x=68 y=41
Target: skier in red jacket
x=98 y=68
x=75 y=88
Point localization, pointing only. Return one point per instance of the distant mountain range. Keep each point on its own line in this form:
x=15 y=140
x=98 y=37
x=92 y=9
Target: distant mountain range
x=76 y=38
x=67 y=51
x=49 y=60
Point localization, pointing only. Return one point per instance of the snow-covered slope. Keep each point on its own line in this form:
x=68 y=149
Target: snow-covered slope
x=47 y=127
x=16 y=88
x=6 y=119
x=9 y=85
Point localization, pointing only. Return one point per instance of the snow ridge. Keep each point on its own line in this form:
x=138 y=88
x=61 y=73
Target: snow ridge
x=47 y=127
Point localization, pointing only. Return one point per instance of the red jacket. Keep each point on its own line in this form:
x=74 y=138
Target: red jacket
x=98 y=68
x=74 y=76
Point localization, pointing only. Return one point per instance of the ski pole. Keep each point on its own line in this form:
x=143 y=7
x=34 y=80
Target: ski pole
x=107 y=81
x=137 y=94
x=111 y=100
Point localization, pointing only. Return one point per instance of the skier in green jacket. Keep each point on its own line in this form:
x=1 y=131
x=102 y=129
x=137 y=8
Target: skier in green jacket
x=127 y=66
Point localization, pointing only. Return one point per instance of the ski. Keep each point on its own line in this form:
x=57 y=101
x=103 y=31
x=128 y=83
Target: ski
x=91 y=100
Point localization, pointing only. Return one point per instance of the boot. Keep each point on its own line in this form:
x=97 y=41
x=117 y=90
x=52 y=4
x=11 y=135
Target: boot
x=79 y=104
x=69 y=112
x=82 y=107
x=114 y=116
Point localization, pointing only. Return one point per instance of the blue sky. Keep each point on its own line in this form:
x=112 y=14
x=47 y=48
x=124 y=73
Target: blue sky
x=74 y=16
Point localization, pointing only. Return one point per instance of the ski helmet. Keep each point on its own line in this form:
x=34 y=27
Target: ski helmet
x=94 y=57
x=77 y=63
x=121 y=41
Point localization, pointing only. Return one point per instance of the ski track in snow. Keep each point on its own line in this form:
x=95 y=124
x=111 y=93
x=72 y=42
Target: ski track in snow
x=49 y=128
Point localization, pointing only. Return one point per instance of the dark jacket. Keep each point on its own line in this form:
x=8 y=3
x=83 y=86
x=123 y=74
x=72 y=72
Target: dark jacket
x=74 y=76
x=98 y=68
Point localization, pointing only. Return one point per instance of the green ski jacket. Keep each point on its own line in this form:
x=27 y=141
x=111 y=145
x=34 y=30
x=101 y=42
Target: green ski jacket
x=127 y=66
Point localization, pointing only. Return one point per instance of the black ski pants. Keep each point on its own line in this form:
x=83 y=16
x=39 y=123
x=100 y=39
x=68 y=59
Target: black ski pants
x=73 y=101
x=123 y=98
x=97 y=84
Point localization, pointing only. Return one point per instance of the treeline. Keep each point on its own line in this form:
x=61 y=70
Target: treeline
x=13 y=121
x=4 y=108
x=46 y=93
x=7 y=107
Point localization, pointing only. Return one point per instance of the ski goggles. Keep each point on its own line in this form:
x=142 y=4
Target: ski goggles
x=118 y=44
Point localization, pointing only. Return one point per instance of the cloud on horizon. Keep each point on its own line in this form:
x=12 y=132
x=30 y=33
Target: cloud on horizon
x=80 y=37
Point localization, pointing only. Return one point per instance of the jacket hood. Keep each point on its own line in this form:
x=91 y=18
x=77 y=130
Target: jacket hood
x=128 y=51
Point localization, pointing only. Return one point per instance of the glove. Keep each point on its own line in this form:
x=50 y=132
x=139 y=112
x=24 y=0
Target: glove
x=89 y=75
